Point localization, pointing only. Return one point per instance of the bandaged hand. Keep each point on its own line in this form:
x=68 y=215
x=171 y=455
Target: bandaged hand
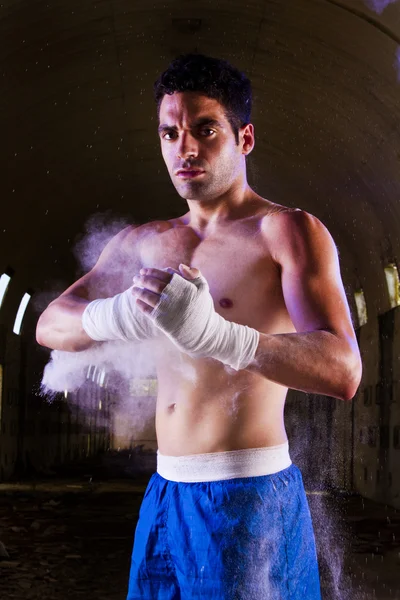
x=185 y=313
x=117 y=318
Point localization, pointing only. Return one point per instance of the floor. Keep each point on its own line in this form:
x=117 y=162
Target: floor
x=71 y=538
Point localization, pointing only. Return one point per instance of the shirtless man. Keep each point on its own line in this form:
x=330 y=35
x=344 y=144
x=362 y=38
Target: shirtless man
x=249 y=295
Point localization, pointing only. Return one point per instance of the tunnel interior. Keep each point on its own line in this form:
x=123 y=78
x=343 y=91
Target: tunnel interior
x=81 y=160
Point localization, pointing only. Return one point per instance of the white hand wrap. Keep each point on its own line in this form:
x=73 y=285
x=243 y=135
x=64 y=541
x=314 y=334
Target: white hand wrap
x=117 y=318
x=187 y=316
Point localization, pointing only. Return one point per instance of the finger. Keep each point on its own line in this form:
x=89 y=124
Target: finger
x=172 y=271
x=143 y=307
x=189 y=272
x=157 y=273
x=149 y=283
x=146 y=296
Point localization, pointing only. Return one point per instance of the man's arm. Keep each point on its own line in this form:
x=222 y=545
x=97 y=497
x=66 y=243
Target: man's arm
x=323 y=356
x=60 y=325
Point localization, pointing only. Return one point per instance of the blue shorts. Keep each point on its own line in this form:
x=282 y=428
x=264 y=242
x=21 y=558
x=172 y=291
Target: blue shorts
x=247 y=538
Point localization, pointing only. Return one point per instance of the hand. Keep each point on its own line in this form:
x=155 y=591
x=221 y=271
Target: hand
x=179 y=303
x=150 y=284
x=181 y=307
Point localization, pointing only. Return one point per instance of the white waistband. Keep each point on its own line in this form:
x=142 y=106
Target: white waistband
x=213 y=466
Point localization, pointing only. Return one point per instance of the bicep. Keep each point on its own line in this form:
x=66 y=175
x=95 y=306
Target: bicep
x=311 y=281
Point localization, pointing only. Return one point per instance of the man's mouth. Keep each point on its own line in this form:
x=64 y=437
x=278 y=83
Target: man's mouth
x=189 y=173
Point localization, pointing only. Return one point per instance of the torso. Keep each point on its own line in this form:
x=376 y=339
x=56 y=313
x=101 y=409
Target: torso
x=203 y=406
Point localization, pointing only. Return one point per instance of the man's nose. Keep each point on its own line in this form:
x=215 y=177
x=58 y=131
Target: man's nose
x=188 y=146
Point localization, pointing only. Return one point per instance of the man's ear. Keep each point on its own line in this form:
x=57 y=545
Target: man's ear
x=247 y=138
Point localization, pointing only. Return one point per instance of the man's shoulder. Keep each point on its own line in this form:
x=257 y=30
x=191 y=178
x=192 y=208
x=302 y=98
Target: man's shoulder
x=136 y=233
x=296 y=232
x=293 y=222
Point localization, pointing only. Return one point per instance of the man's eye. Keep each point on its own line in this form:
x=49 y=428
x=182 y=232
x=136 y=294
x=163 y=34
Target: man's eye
x=208 y=132
x=168 y=133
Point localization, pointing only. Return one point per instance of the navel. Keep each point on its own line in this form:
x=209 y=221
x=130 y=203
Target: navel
x=225 y=303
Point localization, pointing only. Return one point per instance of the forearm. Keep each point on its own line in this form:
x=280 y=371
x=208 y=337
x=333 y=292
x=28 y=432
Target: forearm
x=316 y=362
x=60 y=326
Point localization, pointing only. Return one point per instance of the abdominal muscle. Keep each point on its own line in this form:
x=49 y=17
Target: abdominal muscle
x=213 y=410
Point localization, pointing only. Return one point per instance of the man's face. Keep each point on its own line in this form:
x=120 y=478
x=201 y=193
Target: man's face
x=196 y=135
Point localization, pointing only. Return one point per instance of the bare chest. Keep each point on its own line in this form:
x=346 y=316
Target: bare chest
x=244 y=281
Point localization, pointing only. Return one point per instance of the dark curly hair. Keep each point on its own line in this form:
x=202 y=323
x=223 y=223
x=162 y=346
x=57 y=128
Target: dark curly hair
x=214 y=78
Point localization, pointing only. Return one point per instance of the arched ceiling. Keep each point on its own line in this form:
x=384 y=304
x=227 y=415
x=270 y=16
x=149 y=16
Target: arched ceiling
x=78 y=121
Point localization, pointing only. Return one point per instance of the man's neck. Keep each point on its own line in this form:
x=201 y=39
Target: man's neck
x=209 y=214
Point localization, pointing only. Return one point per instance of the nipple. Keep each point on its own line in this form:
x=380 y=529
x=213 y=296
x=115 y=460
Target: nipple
x=225 y=303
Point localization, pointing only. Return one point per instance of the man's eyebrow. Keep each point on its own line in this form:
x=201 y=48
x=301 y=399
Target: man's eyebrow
x=199 y=123
x=207 y=121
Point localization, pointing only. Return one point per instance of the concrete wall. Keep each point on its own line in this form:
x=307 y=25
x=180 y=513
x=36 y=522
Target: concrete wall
x=10 y=357
x=377 y=434
x=37 y=435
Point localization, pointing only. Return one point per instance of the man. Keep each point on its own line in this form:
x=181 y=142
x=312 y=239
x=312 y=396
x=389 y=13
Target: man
x=249 y=295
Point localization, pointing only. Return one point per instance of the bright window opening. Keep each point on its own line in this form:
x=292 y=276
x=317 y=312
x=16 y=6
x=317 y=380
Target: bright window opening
x=393 y=284
x=361 y=307
x=4 y=281
x=21 y=313
x=102 y=376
